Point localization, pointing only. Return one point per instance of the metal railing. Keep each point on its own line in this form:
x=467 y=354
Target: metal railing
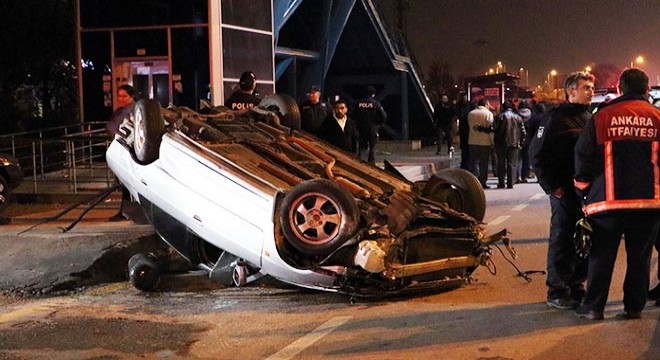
x=63 y=159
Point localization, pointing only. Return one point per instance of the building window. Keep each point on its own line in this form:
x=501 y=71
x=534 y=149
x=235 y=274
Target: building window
x=255 y=14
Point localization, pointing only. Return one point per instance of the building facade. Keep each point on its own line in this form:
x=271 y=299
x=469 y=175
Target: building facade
x=184 y=51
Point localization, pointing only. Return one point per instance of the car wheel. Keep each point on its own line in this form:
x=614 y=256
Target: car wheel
x=143 y=272
x=5 y=194
x=149 y=128
x=318 y=216
x=460 y=190
x=285 y=107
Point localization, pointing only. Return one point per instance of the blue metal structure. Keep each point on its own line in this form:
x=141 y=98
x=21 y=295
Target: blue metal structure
x=344 y=46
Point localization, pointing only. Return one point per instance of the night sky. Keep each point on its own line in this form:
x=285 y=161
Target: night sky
x=566 y=35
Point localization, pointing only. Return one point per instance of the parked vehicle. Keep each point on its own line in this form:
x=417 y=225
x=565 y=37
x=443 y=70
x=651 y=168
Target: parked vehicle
x=11 y=175
x=247 y=196
x=655 y=95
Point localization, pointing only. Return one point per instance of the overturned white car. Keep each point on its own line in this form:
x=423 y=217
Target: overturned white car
x=247 y=196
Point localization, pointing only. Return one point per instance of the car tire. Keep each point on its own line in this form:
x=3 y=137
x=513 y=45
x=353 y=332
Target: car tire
x=143 y=272
x=149 y=127
x=460 y=190
x=285 y=107
x=318 y=216
x=5 y=194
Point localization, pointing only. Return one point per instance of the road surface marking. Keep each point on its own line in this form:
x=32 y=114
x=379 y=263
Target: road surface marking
x=498 y=220
x=306 y=341
x=520 y=207
x=537 y=196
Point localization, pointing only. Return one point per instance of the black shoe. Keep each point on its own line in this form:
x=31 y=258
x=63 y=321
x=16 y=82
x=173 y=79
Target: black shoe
x=562 y=303
x=629 y=315
x=500 y=186
x=117 y=217
x=654 y=294
x=523 y=181
x=578 y=295
x=583 y=312
x=510 y=187
x=485 y=186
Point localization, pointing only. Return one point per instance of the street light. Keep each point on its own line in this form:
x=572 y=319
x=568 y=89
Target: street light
x=500 y=67
x=526 y=72
x=638 y=60
x=553 y=73
x=587 y=69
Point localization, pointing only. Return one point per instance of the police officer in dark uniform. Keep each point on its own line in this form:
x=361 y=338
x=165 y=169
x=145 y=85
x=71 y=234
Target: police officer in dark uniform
x=369 y=116
x=244 y=99
x=552 y=156
x=616 y=170
x=313 y=111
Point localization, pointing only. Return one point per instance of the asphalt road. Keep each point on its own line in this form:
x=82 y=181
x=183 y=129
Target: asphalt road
x=498 y=316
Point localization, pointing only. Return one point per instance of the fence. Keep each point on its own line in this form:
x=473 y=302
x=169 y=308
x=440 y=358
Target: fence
x=63 y=159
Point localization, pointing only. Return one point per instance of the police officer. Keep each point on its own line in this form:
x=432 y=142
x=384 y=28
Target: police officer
x=313 y=111
x=616 y=170
x=243 y=99
x=552 y=156
x=369 y=116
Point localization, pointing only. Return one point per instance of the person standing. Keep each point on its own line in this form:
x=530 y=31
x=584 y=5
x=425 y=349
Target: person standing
x=443 y=117
x=525 y=112
x=313 y=111
x=463 y=108
x=243 y=99
x=126 y=103
x=616 y=170
x=340 y=130
x=509 y=135
x=531 y=126
x=552 y=157
x=369 y=117
x=480 y=142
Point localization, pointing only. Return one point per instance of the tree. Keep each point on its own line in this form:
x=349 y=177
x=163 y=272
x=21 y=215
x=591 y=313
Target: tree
x=607 y=75
x=440 y=80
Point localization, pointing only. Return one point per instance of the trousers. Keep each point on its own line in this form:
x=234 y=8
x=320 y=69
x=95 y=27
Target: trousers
x=566 y=271
x=637 y=226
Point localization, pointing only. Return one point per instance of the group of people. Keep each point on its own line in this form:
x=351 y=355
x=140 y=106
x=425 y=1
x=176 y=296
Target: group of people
x=355 y=131
x=504 y=137
x=603 y=166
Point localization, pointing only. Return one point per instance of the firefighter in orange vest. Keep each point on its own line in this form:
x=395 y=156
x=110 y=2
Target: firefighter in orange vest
x=617 y=172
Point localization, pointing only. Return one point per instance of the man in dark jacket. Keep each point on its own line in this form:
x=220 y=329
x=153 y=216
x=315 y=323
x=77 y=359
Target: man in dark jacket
x=509 y=135
x=313 y=111
x=444 y=116
x=617 y=172
x=552 y=157
x=369 y=117
x=243 y=99
x=463 y=108
x=340 y=130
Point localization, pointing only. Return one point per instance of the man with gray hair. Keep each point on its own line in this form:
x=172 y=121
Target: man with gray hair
x=552 y=157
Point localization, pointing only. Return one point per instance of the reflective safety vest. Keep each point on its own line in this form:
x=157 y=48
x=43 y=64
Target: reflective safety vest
x=616 y=157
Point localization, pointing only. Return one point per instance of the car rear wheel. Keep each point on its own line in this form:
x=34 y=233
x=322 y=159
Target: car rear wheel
x=285 y=107
x=149 y=128
x=318 y=216
x=5 y=194
x=460 y=190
